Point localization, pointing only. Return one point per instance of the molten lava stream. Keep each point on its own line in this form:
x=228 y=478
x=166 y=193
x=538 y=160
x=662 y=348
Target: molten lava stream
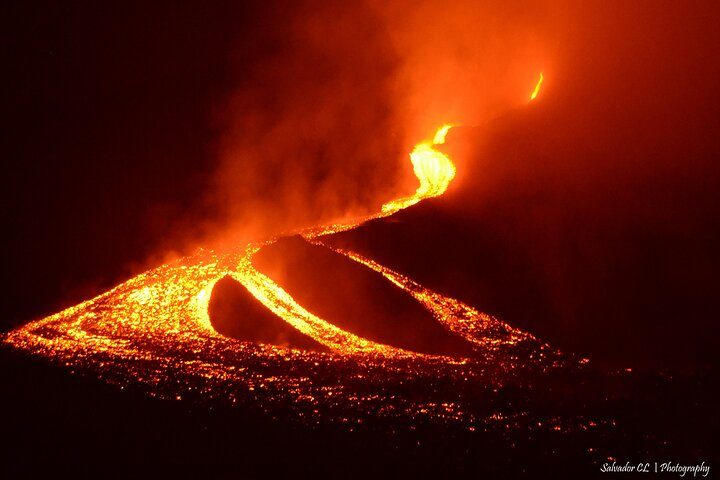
x=154 y=330
x=282 y=304
x=435 y=171
x=484 y=331
x=169 y=304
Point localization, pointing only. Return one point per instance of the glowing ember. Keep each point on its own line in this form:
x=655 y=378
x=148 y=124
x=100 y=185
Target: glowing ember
x=535 y=92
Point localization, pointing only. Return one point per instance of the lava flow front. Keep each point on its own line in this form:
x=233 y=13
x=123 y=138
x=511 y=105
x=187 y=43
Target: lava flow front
x=154 y=333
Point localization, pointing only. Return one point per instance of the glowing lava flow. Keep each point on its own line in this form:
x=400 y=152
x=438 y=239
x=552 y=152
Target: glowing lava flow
x=432 y=168
x=154 y=301
x=154 y=332
x=484 y=331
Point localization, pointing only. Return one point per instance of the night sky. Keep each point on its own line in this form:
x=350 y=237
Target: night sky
x=107 y=138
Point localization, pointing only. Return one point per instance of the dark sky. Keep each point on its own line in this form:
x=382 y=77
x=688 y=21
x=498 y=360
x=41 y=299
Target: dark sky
x=107 y=143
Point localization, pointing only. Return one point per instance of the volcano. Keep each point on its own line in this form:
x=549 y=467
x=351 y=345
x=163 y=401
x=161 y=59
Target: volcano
x=311 y=330
x=544 y=291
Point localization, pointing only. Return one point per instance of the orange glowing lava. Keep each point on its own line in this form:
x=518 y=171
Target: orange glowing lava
x=154 y=330
x=433 y=169
x=170 y=303
x=535 y=92
x=440 y=135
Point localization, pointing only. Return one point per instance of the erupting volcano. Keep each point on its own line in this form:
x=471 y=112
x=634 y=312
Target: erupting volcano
x=226 y=328
x=155 y=330
x=460 y=235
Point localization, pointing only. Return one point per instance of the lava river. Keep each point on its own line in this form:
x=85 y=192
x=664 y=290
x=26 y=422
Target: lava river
x=154 y=333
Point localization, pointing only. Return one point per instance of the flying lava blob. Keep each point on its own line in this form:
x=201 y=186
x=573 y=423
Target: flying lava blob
x=536 y=90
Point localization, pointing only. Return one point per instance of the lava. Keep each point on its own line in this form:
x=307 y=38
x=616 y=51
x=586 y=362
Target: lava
x=154 y=331
x=535 y=92
x=433 y=169
x=441 y=133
